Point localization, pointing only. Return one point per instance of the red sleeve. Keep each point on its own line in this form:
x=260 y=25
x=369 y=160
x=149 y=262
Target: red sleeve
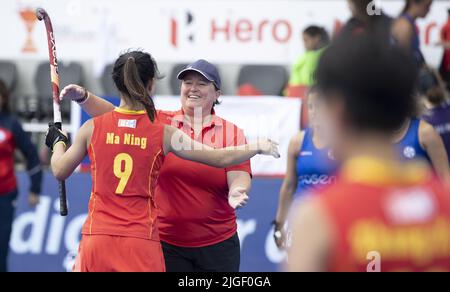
x=239 y=139
x=445 y=32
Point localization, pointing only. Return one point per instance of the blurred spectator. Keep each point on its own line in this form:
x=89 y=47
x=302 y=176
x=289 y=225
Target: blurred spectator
x=405 y=29
x=445 y=42
x=438 y=111
x=315 y=39
x=12 y=136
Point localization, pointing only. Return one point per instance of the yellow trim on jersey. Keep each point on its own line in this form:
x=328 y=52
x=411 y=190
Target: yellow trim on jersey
x=151 y=170
x=150 y=213
x=94 y=187
x=371 y=170
x=129 y=112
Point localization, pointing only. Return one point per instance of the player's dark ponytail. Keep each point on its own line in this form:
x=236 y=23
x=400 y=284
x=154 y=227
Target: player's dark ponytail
x=136 y=88
x=132 y=73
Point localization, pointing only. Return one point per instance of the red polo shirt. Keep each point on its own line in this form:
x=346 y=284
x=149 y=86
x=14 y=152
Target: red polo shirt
x=192 y=197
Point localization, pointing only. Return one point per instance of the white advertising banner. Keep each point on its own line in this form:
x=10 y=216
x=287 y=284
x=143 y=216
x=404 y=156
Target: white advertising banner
x=223 y=31
x=273 y=117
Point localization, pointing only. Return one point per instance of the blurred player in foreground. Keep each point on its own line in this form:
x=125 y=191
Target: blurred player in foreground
x=127 y=148
x=383 y=214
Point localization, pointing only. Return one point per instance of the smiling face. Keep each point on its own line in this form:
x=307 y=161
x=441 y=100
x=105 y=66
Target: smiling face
x=198 y=92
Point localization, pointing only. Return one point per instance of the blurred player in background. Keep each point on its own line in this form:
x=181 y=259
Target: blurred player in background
x=127 y=148
x=310 y=165
x=376 y=22
x=380 y=206
x=13 y=137
x=198 y=228
x=437 y=104
x=417 y=139
x=405 y=31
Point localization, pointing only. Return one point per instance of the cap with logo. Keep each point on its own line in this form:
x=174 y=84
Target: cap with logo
x=206 y=69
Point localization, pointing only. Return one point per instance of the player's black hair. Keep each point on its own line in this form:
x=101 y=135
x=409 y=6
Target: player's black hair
x=132 y=73
x=4 y=95
x=374 y=81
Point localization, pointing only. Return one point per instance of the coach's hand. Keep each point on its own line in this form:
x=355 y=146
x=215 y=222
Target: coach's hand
x=54 y=135
x=268 y=147
x=74 y=92
x=237 y=198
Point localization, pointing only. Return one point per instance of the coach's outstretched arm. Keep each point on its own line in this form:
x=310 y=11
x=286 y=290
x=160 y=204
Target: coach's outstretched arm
x=92 y=104
x=183 y=146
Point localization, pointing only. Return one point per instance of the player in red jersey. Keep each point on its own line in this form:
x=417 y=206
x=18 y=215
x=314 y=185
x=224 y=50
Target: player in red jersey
x=127 y=148
x=383 y=214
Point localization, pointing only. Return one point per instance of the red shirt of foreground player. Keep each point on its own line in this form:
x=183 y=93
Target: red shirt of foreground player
x=192 y=197
x=402 y=224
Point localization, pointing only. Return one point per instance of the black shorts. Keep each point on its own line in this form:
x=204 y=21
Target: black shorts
x=224 y=256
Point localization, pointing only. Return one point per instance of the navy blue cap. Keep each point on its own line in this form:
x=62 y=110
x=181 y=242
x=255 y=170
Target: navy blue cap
x=206 y=69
